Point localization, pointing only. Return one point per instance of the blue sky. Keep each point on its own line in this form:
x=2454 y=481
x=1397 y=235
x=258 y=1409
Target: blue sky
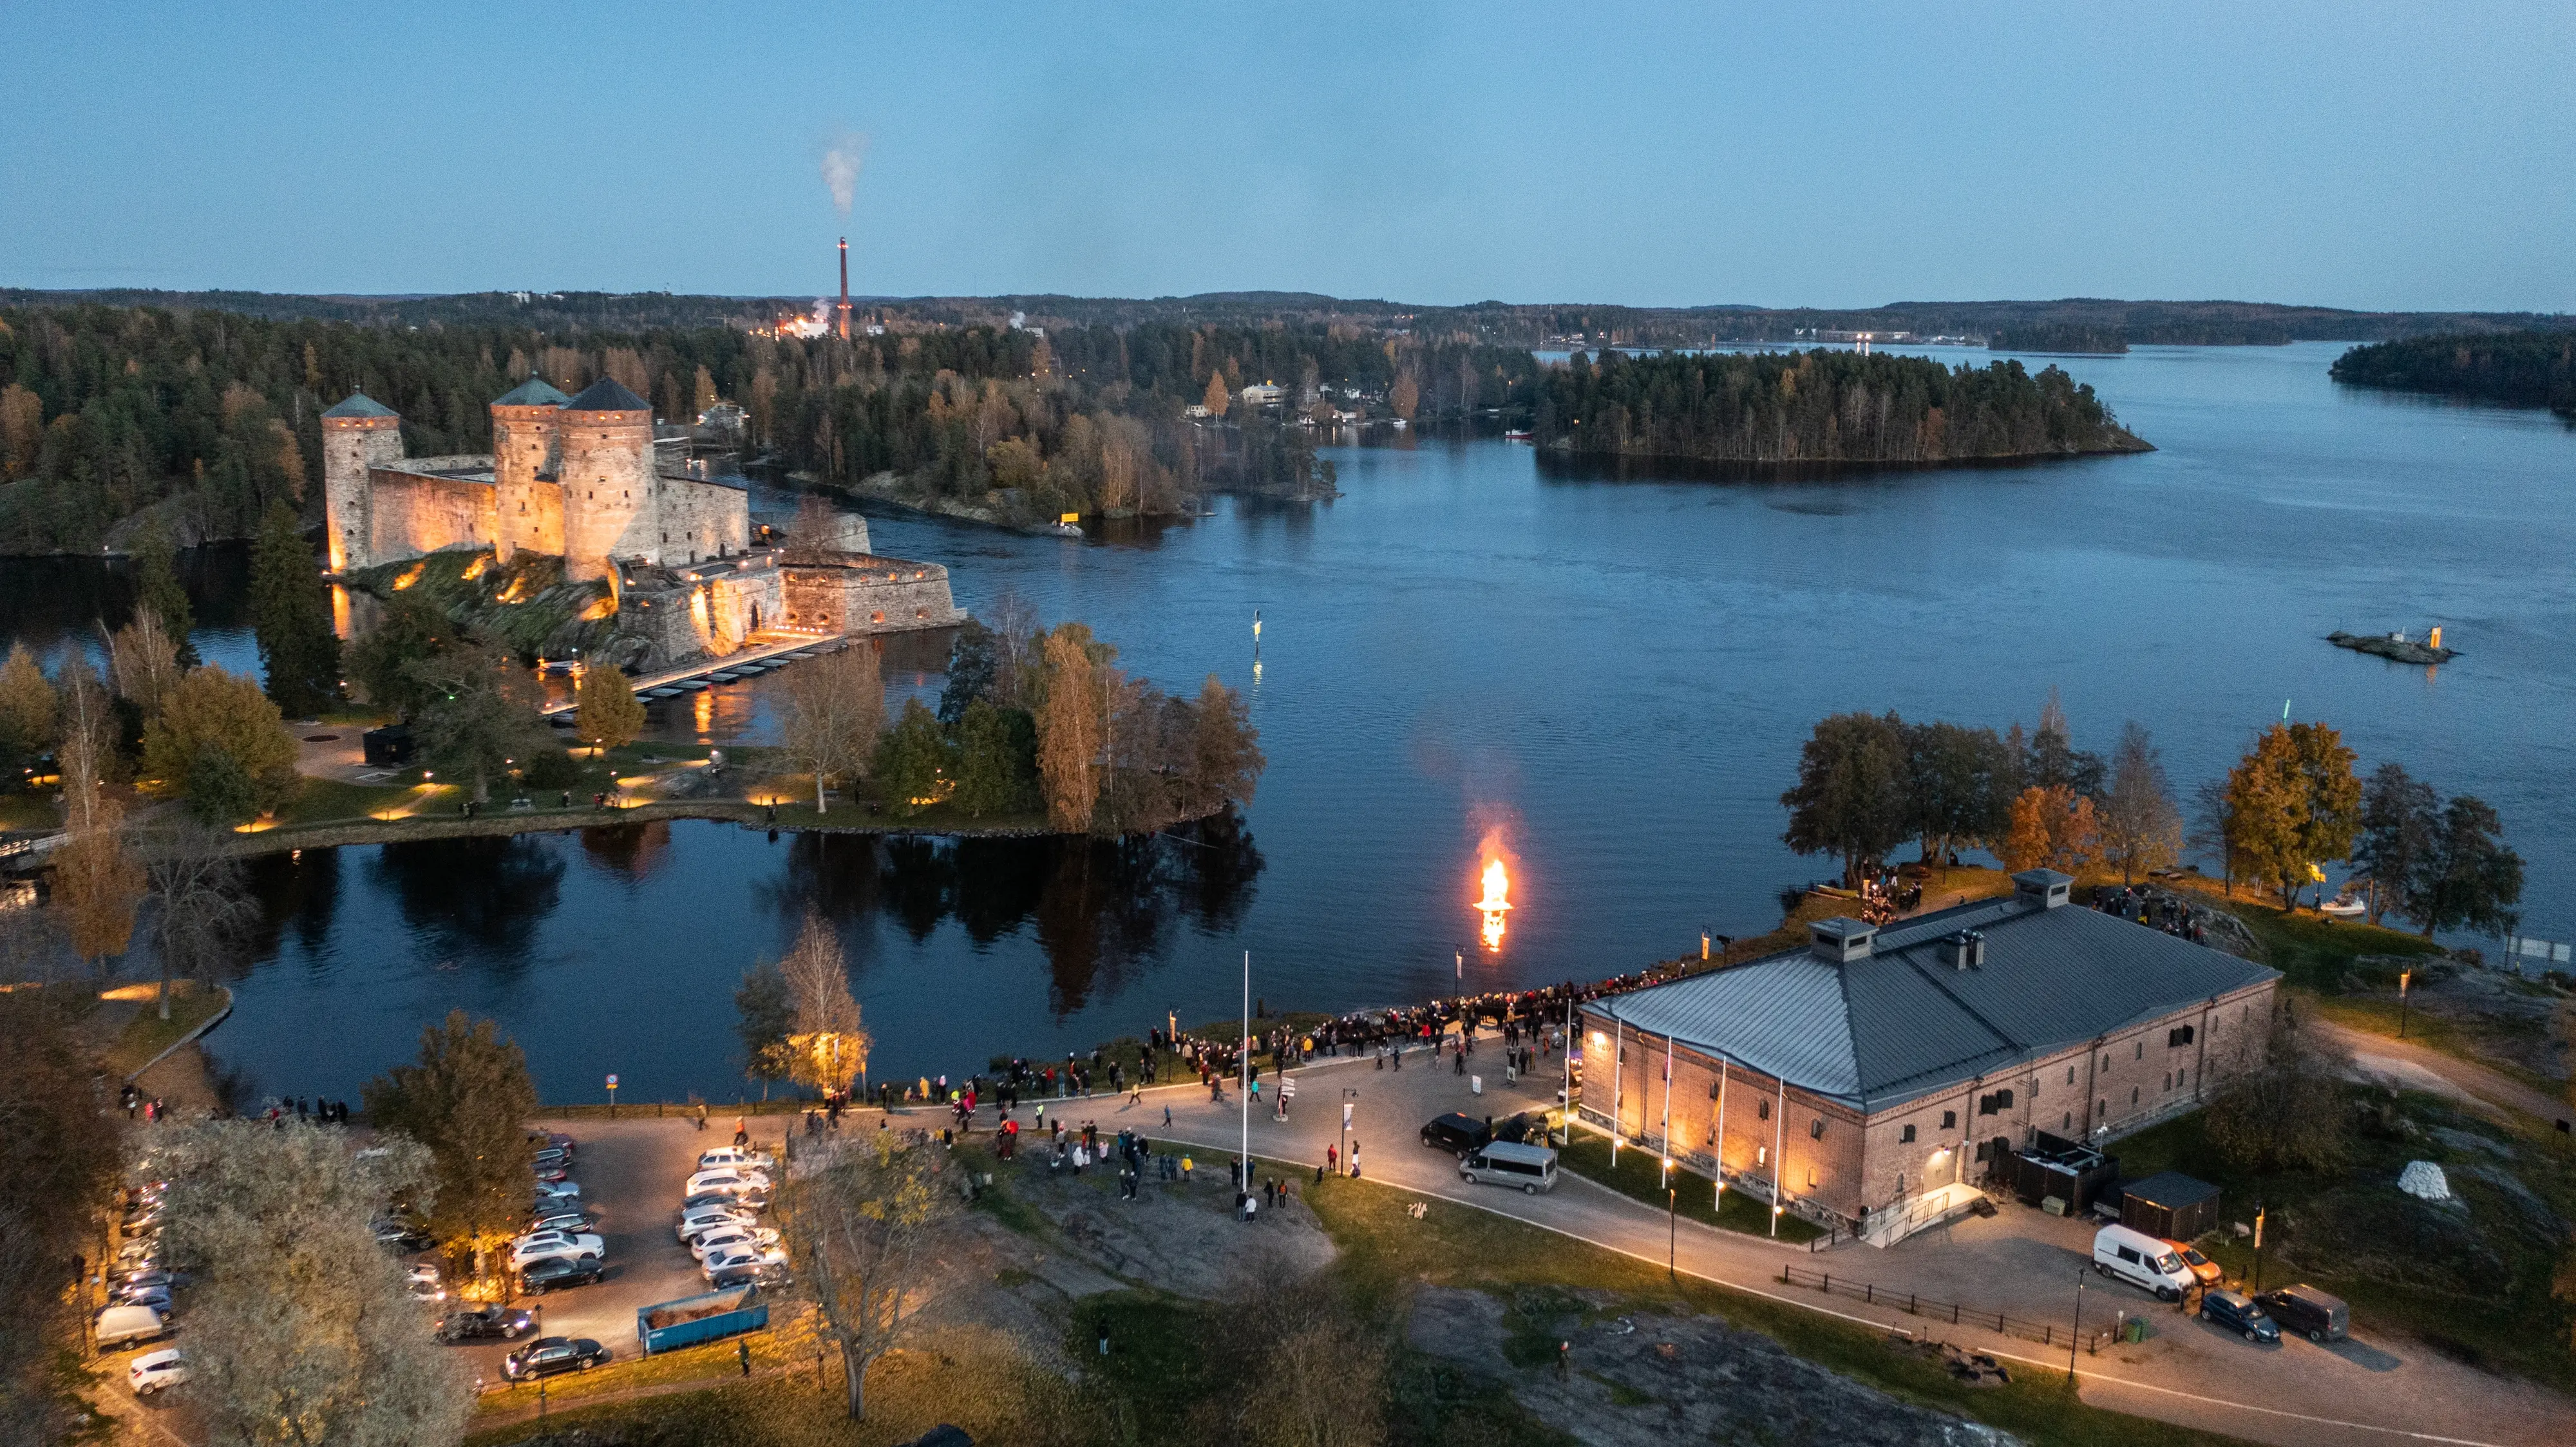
x=2332 y=153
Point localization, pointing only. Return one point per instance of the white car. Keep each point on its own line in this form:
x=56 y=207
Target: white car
x=152 y=1371
x=745 y=1255
x=726 y=1179
x=558 y=1190
x=712 y=1218
x=542 y=1245
x=735 y=1157
x=421 y=1280
x=716 y=1243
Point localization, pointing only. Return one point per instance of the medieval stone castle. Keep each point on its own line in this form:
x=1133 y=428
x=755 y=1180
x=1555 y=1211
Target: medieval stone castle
x=588 y=479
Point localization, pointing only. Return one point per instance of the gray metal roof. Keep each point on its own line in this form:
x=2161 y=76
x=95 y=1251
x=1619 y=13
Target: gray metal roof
x=607 y=395
x=1899 y=1022
x=358 y=404
x=534 y=392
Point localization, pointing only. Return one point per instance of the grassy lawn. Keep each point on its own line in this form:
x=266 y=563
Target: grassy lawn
x=147 y=1034
x=1640 y=1178
x=28 y=809
x=788 y=1344
x=328 y=800
x=2478 y=1284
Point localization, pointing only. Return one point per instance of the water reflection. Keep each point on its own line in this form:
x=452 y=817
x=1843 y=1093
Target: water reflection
x=482 y=897
x=631 y=850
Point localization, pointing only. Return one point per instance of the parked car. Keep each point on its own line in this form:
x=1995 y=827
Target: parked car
x=554 y=1273
x=558 y=1191
x=1457 y=1134
x=563 y=1221
x=551 y=1141
x=739 y=1200
x=540 y=1245
x=730 y=1157
x=154 y=1277
x=548 y=1355
x=509 y=1323
x=1530 y=1128
x=155 y=1297
x=553 y=1175
x=2309 y=1312
x=403 y=1236
x=2203 y=1270
x=125 y=1325
x=745 y=1255
x=725 y=1278
x=727 y=1179
x=713 y=1242
x=2238 y=1313
x=553 y=1156
x=2141 y=1260
x=699 y=1219
x=1507 y=1163
x=152 y=1371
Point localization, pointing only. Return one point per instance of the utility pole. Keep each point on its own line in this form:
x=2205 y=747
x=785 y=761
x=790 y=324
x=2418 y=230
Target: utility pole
x=1243 y=1091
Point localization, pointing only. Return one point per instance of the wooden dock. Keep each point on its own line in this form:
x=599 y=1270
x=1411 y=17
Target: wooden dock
x=745 y=663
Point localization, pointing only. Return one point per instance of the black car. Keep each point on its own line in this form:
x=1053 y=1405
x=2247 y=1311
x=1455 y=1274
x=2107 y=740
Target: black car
x=548 y=1355
x=155 y=1297
x=506 y=1322
x=2309 y=1312
x=556 y=1272
x=1530 y=1127
x=2238 y=1313
x=751 y=1274
x=1457 y=1134
x=403 y=1236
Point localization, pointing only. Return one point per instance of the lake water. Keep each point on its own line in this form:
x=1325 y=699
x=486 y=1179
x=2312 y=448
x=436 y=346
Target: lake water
x=1617 y=674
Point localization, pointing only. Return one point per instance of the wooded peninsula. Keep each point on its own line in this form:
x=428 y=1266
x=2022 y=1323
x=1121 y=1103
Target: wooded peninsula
x=1820 y=406
x=2511 y=369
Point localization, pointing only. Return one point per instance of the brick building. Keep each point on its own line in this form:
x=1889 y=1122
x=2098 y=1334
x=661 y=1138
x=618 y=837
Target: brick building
x=1871 y=1074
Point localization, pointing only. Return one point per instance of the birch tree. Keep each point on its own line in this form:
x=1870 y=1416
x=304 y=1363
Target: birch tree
x=827 y=1042
x=863 y=1218
x=201 y=913
x=835 y=710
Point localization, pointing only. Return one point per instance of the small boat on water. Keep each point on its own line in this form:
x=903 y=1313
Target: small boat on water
x=1518 y=434
x=1065 y=530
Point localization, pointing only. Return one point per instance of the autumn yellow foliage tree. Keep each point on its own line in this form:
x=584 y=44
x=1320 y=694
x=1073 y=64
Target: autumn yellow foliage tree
x=1218 y=398
x=1069 y=733
x=2052 y=828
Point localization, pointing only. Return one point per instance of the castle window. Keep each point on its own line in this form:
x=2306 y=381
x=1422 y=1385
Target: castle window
x=1949 y=1120
x=1907 y=1138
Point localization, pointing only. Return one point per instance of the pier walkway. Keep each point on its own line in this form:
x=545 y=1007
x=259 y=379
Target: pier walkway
x=771 y=648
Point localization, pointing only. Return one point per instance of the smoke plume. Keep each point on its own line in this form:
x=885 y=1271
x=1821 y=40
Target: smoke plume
x=842 y=158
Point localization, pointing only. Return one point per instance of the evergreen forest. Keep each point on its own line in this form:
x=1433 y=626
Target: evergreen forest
x=2513 y=369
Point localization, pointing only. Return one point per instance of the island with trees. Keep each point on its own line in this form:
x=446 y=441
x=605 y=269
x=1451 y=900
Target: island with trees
x=1820 y=406
x=2510 y=369
x=2095 y=337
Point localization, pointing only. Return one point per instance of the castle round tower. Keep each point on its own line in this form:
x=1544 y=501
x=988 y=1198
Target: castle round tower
x=359 y=433
x=525 y=423
x=610 y=508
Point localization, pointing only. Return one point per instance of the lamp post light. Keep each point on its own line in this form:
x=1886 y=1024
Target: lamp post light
x=1348 y=1096
x=1672 y=1229
x=2404 y=978
x=2078 y=1333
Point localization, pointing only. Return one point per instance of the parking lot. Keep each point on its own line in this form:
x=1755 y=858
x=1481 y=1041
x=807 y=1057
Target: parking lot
x=630 y=1172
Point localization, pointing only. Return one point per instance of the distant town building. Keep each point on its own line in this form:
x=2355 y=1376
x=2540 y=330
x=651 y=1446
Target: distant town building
x=1874 y=1075
x=1263 y=394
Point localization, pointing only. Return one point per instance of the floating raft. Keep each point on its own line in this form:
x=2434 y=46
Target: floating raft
x=2392 y=647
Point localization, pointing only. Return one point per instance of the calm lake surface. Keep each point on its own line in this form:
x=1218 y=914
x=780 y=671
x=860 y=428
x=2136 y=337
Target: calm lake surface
x=1615 y=673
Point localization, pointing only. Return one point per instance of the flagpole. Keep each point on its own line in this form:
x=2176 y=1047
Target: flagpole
x=1243 y=1092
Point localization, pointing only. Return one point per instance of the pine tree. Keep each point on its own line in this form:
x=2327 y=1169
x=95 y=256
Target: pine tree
x=992 y=766
x=291 y=613
x=913 y=762
x=158 y=589
x=606 y=710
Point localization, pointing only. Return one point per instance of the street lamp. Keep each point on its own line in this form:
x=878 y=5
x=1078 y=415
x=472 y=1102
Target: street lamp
x=1348 y=1095
x=1673 y=1230
x=2404 y=978
x=2078 y=1333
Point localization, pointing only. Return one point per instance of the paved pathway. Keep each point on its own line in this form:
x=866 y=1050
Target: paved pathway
x=2420 y=1067
x=2375 y=1390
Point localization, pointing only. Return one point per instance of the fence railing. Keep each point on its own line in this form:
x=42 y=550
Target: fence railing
x=1930 y=1308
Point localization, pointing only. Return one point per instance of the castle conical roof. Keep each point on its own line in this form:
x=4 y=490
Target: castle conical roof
x=607 y=395
x=359 y=404
x=534 y=392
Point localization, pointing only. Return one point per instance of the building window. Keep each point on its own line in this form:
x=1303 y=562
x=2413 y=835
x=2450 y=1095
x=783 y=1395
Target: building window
x=1907 y=1137
x=2142 y=1049
x=2179 y=1035
x=2070 y=1075
x=2133 y=1095
x=2102 y=1108
x=2106 y=1060
x=1816 y=1128
x=2069 y=1123
x=1762 y=1110
x=1995 y=1104
x=1949 y=1120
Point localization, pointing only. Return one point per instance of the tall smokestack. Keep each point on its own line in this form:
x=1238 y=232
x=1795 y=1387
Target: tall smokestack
x=845 y=288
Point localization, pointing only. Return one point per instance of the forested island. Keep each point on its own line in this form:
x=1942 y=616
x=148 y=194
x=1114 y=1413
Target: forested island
x=207 y=417
x=2058 y=337
x=2511 y=369
x=1820 y=406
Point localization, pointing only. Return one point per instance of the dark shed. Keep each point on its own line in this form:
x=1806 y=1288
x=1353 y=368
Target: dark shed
x=388 y=746
x=2170 y=1204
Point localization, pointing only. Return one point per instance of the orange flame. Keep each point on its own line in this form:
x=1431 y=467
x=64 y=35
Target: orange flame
x=1498 y=892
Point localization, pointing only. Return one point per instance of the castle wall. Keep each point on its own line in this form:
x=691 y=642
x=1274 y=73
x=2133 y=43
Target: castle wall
x=609 y=503
x=416 y=513
x=350 y=446
x=702 y=520
x=869 y=595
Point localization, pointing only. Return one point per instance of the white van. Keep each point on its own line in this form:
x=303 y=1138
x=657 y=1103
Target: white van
x=1508 y=1163
x=125 y=1325
x=2141 y=1260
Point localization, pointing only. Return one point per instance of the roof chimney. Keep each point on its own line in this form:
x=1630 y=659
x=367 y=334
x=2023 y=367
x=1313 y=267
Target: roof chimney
x=1963 y=950
x=1840 y=940
x=2041 y=888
